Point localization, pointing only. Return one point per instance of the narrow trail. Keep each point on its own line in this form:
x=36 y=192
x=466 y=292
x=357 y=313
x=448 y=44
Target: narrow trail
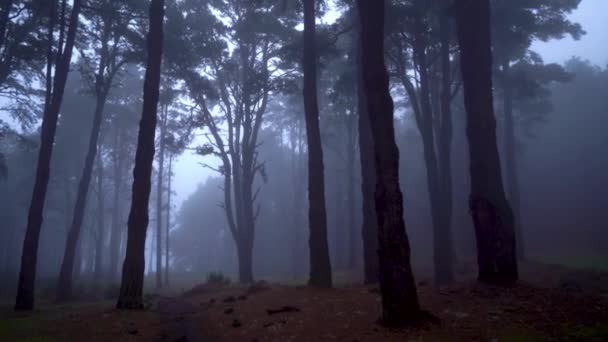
x=180 y=321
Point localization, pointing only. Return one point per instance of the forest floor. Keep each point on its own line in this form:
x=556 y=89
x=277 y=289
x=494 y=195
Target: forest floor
x=550 y=303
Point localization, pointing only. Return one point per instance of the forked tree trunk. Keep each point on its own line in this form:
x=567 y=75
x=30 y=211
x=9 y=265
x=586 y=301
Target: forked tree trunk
x=399 y=298
x=320 y=266
x=491 y=213
x=29 y=256
x=131 y=288
x=511 y=175
x=64 y=288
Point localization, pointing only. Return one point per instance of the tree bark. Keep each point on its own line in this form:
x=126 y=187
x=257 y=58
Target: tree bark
x=491 y=213
x=320 y=265
x=29 y=257
x=131 y=289
x=399 y=298
x=64 y=288
x=511 y=175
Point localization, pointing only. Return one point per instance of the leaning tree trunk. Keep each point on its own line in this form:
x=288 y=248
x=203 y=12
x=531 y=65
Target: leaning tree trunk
x=29 y=256
x=159 y=200
x=64 y=288
x=399 y=298
x=131 y=288
x=491 y=213
x=369 y=229
x=320 y=265
x=511 y=160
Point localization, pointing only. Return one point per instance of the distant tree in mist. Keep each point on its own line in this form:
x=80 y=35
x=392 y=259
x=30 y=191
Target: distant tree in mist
x=131 y=289
x=521 y=72
x=110 y=24
x=55 y=86
x=492 y=215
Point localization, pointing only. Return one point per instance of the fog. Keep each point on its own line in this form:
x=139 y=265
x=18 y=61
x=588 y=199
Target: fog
x=228 y=142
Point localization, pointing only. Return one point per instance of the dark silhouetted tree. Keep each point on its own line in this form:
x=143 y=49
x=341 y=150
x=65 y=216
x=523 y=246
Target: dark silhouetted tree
x=492 y=215
x=131 y=288
x=29 y=257
x=399 y=298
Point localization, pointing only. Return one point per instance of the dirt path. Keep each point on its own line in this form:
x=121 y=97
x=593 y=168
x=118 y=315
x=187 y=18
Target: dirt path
x=180 y=321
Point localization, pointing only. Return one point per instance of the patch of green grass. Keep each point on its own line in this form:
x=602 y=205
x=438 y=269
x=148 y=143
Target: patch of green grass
x=23 y=329
x=584 y=262
x=588 y=333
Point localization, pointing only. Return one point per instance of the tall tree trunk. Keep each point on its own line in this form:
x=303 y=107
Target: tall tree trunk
x=424 y=121
x=369 y=229
x=29 y=257
x=350 y=193
x=320 y=265
x=99 y=245
x=64 y=288
x=491 y=213
x=159 y=199
x=131 y=289
x=399 y=298
x=168 y=225
x=116 y=233
x=511 y=159
x=443 y=242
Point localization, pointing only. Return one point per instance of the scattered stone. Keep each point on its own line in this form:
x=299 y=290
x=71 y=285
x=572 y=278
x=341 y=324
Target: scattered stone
x=229 y=299
x=284 y=309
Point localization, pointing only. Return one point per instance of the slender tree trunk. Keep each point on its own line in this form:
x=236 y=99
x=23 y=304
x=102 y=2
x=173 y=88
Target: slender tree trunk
x=369 y=229
x=99 y=245
x=64 y=289
x=425 y=125
x=511 y=175
x=116 y=233
x=168 y=225
x=491 y=213
x=443 y=244
x=131 y=289
x=399 y=298
x=350 y=190
x=159 y=199
x=29 y=257
x=320 y=265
